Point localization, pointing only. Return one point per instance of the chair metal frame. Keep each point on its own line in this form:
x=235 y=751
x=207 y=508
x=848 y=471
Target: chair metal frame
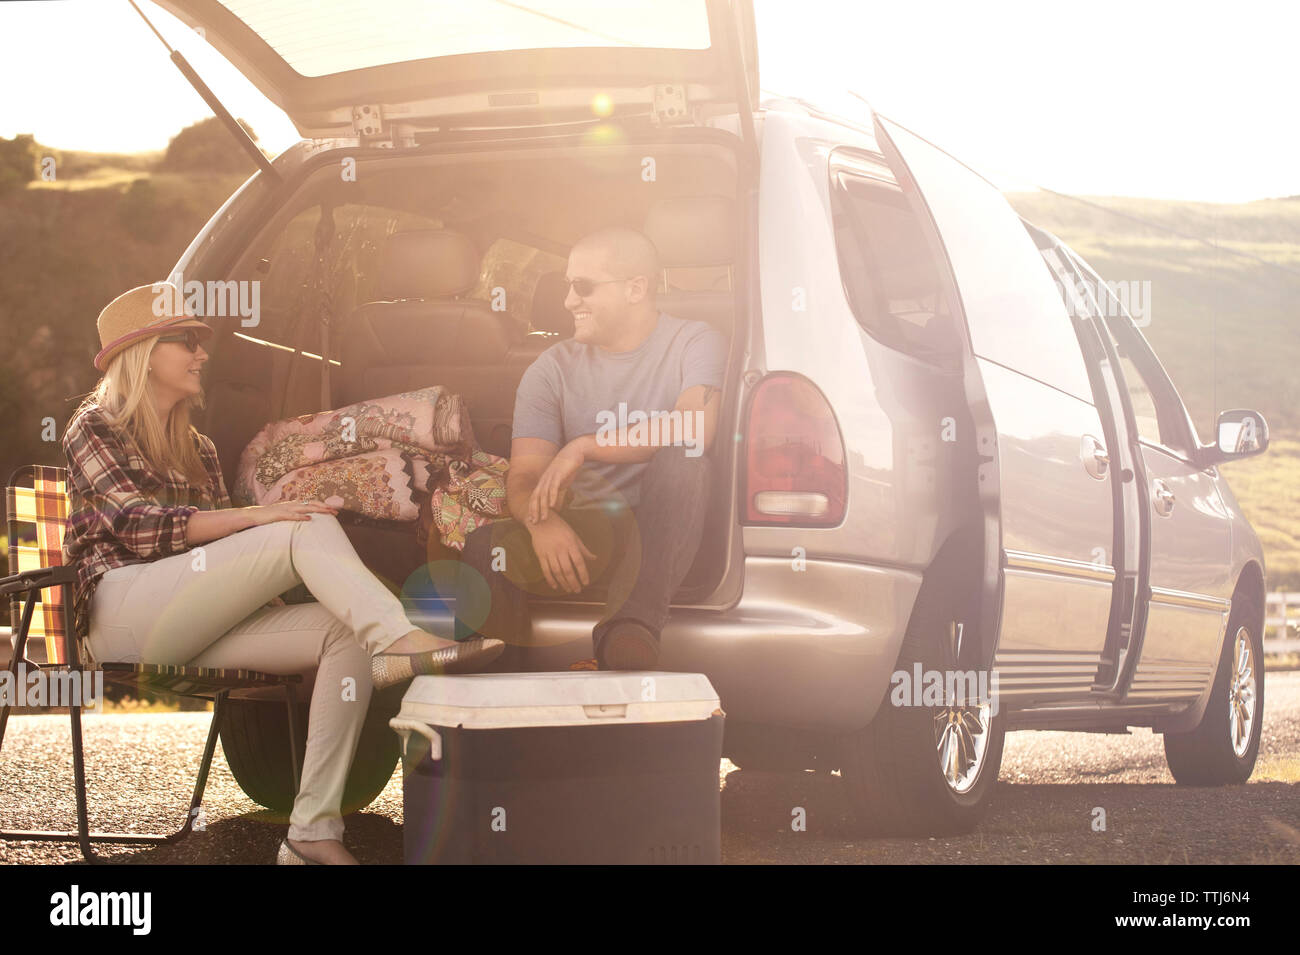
x=209 y=683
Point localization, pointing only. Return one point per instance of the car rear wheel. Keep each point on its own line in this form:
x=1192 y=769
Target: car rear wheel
x=927 y=770
x=255 y=740
x=1222 y=749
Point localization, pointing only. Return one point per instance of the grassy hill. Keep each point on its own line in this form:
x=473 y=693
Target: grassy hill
x=1226 y=327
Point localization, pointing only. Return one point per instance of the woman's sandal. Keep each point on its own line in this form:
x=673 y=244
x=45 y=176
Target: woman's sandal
x=387 y=669
x=288 y=855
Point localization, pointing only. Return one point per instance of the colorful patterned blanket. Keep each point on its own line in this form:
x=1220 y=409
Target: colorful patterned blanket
x=408 y=457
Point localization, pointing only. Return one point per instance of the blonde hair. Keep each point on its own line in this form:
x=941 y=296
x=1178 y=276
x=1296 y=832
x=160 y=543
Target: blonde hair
x=123 y=395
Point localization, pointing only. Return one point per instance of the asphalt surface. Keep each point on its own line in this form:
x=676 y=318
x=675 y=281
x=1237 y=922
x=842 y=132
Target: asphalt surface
x=141 y=769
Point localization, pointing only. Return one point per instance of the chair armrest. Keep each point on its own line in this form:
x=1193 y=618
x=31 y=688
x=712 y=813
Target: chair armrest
x=37 y=579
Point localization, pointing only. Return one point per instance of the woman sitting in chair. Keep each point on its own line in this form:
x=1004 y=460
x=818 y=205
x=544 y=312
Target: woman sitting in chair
x=169 y=572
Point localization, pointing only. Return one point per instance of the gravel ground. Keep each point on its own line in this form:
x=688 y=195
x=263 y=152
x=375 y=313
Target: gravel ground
x=141 y=768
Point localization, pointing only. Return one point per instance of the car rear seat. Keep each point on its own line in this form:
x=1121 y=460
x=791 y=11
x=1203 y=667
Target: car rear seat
x=420 y=333
x=551 y=321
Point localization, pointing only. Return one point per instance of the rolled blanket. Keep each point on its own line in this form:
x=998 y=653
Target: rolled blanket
x=376 y=485
x=431 y=423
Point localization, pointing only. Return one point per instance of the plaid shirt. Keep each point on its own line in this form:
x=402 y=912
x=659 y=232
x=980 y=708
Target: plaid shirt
x=120 y=509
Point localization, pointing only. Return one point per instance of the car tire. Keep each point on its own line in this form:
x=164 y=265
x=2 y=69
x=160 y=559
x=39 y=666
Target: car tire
x=1222 y=750
x=255 y=740
x=893 y=767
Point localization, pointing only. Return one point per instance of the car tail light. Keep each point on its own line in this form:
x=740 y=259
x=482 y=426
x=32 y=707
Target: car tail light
x=794 y=460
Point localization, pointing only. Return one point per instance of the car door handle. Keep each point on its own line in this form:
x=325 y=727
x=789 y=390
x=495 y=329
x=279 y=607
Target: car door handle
x=1094 y=457
x=1162 y=498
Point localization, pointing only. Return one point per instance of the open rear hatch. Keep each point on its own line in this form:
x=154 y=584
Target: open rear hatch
x=342 y=68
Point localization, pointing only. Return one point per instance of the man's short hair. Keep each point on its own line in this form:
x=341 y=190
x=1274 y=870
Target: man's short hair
x=628 y=253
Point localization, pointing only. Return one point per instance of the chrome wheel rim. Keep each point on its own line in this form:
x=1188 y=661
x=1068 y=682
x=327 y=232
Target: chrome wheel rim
x=961 y=732
x=961 y=740
x=1241 y=694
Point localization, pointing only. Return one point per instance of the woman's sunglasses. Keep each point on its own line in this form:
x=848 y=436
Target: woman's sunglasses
x=190 y=338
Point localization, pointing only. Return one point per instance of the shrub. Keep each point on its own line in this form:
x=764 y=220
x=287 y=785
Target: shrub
x=207 y=146
x=18 y=158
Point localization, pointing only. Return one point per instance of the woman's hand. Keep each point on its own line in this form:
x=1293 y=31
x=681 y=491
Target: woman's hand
x=289 y=511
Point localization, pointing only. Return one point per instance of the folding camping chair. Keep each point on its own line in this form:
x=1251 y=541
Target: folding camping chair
x=37 y=495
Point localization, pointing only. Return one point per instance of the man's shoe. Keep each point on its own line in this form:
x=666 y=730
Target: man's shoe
x=628 y=645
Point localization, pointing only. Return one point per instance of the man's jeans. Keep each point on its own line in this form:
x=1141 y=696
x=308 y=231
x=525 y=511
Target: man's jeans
x=642 y=555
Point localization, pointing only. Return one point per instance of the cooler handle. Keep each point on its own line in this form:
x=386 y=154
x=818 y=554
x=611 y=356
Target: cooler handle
x=605 y=711
x=404 y=728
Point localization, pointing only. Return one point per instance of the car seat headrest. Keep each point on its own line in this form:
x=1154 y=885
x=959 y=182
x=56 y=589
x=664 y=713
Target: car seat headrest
x=693 y=231
x=428 y=263
x=549 y=313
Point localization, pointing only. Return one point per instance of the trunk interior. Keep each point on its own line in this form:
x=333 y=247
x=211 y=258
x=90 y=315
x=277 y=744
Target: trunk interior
x=448 y=269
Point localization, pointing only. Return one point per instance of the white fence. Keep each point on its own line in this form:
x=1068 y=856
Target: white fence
x=1282 y=616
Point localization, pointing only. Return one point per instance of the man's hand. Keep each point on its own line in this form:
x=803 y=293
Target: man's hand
x=557 y=477
x=561 y=552
x=275 y=602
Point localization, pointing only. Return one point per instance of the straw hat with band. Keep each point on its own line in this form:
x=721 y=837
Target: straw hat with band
x=140 y=313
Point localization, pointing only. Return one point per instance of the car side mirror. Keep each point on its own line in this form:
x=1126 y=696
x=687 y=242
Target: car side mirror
x=1241 y=434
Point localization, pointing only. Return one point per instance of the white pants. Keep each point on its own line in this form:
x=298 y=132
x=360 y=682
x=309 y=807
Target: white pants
x=205 y=608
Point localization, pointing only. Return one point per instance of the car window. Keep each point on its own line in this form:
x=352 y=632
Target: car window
x=1157 y=410
x=1144 y=403
x=1013 y=310
x=341 y=39
x=509 y=279
x=295 y=281
x=1161 y=417
x=287 y=270
x=1086 y=311
x=888 y=271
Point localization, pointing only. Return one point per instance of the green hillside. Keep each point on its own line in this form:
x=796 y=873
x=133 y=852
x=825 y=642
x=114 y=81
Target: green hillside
x=1226 y=327
x=72 y=242
x=66 y=250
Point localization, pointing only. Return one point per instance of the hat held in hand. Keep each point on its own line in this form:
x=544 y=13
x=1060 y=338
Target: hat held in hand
x=144 y=311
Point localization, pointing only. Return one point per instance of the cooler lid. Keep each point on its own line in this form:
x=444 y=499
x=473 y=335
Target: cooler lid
x=565 y=698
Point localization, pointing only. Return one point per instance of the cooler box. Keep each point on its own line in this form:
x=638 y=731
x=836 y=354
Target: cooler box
x=573 y=767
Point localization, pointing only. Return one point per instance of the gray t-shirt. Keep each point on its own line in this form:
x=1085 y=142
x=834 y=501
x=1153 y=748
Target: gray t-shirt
x=574 y=389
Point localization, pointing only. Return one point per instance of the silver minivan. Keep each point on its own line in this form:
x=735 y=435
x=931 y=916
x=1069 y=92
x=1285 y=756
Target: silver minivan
x=962 y=494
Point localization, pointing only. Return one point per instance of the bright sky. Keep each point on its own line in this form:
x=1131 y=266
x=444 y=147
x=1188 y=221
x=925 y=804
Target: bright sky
x=1178 y=100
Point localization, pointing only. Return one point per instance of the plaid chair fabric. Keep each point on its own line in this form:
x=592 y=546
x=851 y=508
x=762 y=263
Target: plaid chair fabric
x=37 y=508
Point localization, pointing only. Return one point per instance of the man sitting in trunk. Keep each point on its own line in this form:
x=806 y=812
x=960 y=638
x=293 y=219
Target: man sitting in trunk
x=608 y=479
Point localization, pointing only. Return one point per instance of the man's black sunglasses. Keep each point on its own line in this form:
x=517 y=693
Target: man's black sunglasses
x=190 y=337
x=585 y=287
